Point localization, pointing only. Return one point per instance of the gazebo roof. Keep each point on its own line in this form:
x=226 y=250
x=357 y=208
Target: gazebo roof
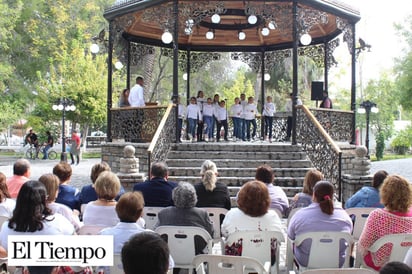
x=145 y=21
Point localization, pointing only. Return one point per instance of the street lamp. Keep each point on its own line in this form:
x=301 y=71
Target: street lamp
x=367 y=107
x=64 y=104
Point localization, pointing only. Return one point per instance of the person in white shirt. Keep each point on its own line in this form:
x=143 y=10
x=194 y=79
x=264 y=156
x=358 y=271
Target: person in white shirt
x=215 y=103
x=243 y=103
x=181 y=112
x=236 y=111
x=201 y=100
x=221 y=116
x=268 y=113
x=136 y=96
x=288 y=108
x=193 y=116
x=208 y=114
x=250 y=112
x=7 y=204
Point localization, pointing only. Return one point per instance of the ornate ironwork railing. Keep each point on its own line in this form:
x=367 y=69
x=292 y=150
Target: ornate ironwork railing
x=136 y=124
x=337 y=123
x=320 y=147
x=164 y=137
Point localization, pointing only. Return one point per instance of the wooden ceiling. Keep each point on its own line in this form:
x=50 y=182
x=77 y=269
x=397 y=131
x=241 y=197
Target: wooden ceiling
x=145 y=22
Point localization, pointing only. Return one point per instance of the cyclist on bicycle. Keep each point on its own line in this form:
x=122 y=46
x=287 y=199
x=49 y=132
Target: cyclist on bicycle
x=48 y=144
x=32 y=139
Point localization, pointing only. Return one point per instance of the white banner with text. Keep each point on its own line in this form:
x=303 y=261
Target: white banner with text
x=60 y=250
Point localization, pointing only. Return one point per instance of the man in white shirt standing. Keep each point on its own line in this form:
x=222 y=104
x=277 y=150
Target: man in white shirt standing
x=288 y=109
x=136 y=96
x=250 y=111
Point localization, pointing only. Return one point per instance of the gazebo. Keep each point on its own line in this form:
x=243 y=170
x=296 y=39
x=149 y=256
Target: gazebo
x=257 y=32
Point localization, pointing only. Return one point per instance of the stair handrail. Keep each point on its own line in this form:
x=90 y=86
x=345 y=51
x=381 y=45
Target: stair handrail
x=163 y=138
x=322 y=150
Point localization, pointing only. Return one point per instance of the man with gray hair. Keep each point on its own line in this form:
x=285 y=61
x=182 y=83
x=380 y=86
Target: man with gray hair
x=21 y=174
x=157 y=191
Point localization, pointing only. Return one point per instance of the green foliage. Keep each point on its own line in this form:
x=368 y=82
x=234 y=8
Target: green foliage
x=402 y=141
x=380 y=145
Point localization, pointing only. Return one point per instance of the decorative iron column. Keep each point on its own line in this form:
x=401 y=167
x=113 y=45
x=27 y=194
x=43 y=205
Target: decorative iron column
x=326 y=66
x=262 y=95
x=188 y=68
x=176 y=61
x=128 y=65
x=109 y=81
x=295 y=68
x=352 y=47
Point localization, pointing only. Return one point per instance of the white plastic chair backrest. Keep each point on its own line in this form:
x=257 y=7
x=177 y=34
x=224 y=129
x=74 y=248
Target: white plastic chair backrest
x=257 y=244
x=181 y=242
x=338 y=271
x=223 y=264
x=90 y=229
x=82 y=207
x=325 y=248
x=150 y=215
x=215 y=214
x=3 y=219
x=361 y=215
x=117 y=267
x=401 y=244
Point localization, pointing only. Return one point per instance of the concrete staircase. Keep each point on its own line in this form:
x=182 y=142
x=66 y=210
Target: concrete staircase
x=237 y=162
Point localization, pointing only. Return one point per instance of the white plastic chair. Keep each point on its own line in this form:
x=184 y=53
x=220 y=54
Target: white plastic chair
x=215 y=214
x=257 y=244
x=289 y=242
x=400 y=245
x=90 y=229
x=325 y=248
x=361 y=215
x=150 y=215
x=3 y=219
x=223 y=264
x=181 y=242
x=117 y=267
x=338 y=271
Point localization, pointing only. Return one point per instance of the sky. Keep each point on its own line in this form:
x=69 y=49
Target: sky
x=376 y=28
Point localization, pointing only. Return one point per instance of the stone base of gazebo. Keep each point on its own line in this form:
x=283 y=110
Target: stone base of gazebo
x=128 y=180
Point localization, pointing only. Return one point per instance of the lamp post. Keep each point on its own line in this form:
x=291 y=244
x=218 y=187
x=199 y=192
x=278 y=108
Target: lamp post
x=64 y=104
x=367 y=107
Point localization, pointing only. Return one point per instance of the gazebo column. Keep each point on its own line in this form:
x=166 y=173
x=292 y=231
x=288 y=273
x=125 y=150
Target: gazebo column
x=352 y=47
x=188 y=77
x=325 y=65
x=262 y=95
x=109 y=81
x=128 y=65
x=176 y=61
x=295 y=68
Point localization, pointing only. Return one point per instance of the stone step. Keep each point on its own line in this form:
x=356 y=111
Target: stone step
x=238 y=172
x=248 y=155
x=236 y=146
x=222 y=163
x=238 y=181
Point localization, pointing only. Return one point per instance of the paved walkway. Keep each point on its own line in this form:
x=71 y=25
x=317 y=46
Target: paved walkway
x=401 y=167
x=80 y=174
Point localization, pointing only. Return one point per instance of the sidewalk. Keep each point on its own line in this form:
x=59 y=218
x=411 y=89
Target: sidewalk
x=80 y=175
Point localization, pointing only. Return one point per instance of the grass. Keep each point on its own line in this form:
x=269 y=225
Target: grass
x=391 y=156
x=85 y=155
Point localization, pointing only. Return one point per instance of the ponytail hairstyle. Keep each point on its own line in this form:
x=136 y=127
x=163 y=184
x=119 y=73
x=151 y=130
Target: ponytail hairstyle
x=323 y=194
x=209 y=175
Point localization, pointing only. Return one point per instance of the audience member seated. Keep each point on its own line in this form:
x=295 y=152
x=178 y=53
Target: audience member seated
x=158 y=190
x=395 y=268
x=68 y=195
x=395 y=217
x=368 y=196
x=278 y=198
x=253 y=213
x=51 y=183
x=21 y=174
x=184 y=212
x=7 y=204
x=88 y=193
x=129 y=209
x=321 y=215
x=102 y=211
x=304 y=198
x=211 y=193
x=145 y=253
x=32 y=216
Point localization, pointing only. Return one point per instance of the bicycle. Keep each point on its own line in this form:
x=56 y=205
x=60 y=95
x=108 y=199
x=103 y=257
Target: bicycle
x=32 y=152
x=51 y=153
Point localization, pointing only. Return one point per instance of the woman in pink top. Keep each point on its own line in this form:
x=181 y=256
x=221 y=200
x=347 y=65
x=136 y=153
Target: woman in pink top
x=396 y=217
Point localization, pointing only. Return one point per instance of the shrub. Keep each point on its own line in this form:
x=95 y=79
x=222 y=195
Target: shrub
x=402 y=142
